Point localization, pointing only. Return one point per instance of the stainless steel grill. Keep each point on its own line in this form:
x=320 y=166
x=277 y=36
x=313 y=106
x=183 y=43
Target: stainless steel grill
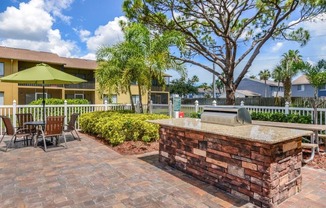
x=232 y=116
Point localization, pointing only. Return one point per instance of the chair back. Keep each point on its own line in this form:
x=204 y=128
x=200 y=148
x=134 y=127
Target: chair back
x=9 y=127
x=22 y=118
x=72 y=122
x=54 y=125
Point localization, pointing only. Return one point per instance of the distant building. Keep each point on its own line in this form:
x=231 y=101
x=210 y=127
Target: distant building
x=242 y=94
x=258 y=86
x=301 y=87
x=13 y=60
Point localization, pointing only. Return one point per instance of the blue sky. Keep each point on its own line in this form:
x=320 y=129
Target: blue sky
x=77 y=28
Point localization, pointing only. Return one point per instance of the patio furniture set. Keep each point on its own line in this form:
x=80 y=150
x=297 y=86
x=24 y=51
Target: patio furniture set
x=30 y=130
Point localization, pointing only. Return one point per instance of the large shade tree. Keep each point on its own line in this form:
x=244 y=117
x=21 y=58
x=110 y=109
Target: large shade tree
x=228 y=33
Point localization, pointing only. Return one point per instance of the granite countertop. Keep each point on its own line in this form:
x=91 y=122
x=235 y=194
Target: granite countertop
x=256 y=133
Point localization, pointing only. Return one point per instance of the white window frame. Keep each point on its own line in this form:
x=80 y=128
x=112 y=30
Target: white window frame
x=79 y=94
x=2 y=98
x=135 y=98
x=301 y=88
x=41 y=95
x=2 y=69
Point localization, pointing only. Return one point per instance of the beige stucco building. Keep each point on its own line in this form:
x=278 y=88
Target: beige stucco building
x=13 y=60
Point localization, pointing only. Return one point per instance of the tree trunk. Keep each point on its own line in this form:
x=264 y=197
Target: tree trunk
x=287 y=89
x=140 y=99
x=149 y=98
x=131 y=101
x=230 y=94
x=315 y=105
x=278 y=88
x=265 y=89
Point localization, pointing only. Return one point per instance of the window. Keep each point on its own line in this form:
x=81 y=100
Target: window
x=300 y=87
x=135 y=98
x=79 y=96
x=1 y=98
x=39 y=95
x=2 y=69
x=323 y=88
x=112 y=99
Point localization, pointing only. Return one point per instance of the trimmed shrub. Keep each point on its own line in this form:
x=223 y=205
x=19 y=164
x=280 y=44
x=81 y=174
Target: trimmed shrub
x=281 y=117
x=56 y=101
x=117 y=127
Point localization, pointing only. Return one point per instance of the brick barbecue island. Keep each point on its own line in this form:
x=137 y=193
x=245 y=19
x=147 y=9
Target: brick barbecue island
x=257 y=163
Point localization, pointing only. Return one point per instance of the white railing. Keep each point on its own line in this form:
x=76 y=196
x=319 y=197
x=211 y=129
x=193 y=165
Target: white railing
x=67 y=110
x=53 y=110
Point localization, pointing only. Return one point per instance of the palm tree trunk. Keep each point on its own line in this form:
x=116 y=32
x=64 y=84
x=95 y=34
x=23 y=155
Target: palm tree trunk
x=131 y=101
x=140 y=99
x=287 y=89
x=265 y=89
x=314 y=105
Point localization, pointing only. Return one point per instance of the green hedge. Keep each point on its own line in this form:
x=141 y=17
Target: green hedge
x=117 y=127
x=56 y=101
x=281 y=117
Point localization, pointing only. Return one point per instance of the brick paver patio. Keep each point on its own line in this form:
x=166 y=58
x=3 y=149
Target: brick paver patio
x=89 y=174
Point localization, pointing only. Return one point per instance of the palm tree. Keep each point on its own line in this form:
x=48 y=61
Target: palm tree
x=278 y=76
x=317 y=78
x=141 y=57
x=265 y=75
x=291 y=62
x=153 y=54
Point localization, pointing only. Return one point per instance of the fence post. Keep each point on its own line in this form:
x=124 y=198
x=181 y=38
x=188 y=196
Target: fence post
x=14 y=111
x=150 y=107
x=286 y=108
x=214 y=103
x=105 y=105
x=196 y=106
x=170 y=108
x=242 y=103
x=65 y=109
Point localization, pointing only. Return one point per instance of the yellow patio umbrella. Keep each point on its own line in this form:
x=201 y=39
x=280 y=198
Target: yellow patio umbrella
x=42 y=74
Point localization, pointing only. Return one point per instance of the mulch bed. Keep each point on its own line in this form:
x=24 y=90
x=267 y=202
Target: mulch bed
x=139 y=147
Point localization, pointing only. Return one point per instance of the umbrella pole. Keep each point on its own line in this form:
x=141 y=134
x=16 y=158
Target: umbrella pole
x=43 y=102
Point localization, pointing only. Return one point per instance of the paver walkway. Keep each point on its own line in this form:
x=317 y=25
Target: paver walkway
x=89 y=174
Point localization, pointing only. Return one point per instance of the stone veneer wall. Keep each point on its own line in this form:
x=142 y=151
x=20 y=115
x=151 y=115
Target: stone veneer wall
x=264 y=174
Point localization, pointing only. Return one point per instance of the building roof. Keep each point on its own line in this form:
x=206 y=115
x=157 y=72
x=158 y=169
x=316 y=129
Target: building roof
x=79 y=63
x=248 y=93
x=46 y=57
x=29 y=55
x=301 y=80
x=268 y=82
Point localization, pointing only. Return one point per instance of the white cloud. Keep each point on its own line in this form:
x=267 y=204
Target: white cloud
x=84 y=35
x=108 y=34
x=317 y=25
x=91 y=56
x=30 y=26
x=53 y=44
x=55 y=7
x=277 y=47
x=30 y=21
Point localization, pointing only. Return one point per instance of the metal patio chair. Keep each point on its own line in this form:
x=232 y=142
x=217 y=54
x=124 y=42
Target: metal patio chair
x=22 y=118
x=71 y=126
x=53 y=128
x=10 y=131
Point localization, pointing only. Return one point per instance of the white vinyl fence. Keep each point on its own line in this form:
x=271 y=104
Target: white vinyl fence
x=67 y=110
